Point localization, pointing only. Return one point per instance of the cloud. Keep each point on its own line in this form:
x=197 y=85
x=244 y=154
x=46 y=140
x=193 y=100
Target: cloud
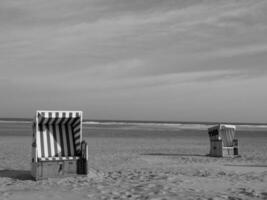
x=125 y=47
x=92 y=80
x=238 y=51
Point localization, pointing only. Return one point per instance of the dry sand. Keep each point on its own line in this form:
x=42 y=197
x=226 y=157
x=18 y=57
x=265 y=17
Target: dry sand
x=149 y=165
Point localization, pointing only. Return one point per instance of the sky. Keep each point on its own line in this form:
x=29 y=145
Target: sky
x=174 y=60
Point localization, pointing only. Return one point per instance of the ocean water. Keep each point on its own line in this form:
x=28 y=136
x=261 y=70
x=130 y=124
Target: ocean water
x=135 y=129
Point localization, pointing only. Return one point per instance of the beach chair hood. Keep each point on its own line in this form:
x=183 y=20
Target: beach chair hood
x=57 y=134
x=224 y=132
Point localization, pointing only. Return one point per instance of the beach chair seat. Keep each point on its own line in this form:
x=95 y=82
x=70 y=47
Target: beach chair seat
x=57 y=139
x=222 y=141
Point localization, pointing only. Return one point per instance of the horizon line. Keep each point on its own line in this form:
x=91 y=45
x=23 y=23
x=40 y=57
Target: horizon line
x=144 y=121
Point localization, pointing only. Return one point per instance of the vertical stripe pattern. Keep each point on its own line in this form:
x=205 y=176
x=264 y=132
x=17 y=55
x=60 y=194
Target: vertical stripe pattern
x=228 y=136
x=38 y=142
x=58 y=134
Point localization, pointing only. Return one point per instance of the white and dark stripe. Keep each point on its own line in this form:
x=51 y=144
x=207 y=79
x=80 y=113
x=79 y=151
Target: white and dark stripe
x=59 y=144
x=228 y=136
x=45 y=142
x=43 y=116
x=58 y=134
x=76 y=125
x=38 y=142
x=52 y=140
x=42 y=141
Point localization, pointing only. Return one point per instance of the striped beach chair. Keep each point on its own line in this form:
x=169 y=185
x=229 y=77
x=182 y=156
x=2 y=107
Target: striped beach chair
x=222 y=141
x=57 y=147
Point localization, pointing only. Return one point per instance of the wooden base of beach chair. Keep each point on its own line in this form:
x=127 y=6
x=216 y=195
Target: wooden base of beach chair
x=56 y=169
x=217 y=149
x=53 y=169
x=82 y=163
x=228 y=152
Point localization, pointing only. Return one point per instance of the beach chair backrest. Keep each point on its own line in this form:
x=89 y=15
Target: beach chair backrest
x=57 y=133
x=227 y=133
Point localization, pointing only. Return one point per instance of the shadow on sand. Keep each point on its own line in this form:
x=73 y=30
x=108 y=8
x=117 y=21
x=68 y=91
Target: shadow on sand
x=173 y=154
x=16 y=174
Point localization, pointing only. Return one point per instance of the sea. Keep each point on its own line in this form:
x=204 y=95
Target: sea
x=106 y=128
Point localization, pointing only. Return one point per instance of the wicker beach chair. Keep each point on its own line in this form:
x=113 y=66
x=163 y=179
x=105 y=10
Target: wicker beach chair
x=222 y=141
x=57 y=148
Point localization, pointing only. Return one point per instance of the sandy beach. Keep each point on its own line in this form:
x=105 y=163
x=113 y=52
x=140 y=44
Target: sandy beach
x=130 y=162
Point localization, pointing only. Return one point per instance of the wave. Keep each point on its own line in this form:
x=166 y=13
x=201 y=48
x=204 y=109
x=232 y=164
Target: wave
x=146 y=125
x=197 y=126
x=150 y=125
